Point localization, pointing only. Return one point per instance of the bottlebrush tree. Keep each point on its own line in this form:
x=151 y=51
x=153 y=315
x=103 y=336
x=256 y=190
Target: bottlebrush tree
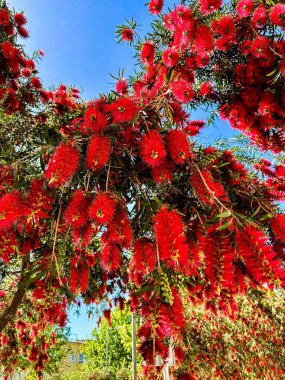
x=115 y=196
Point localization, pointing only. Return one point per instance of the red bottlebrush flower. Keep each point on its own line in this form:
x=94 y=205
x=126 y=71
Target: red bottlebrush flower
x=39 y=201
x=155 y=6
x=277 y=15
x=206 y=188
x=20 y=19
x=123 y=109
x=76 y=212
x=23 y=32
x=122 y=87
x=178 y=146
x=143 y=260
x=225 y=26
x=219 y=258
x=8 y=49
x=110 y=256
x=8 y=244
x=127 y=34
x=148 y=53
x=95 y=120
x=204 y=41
x=170 y=237
x=152 y=149
x=277 y=224
x=193 y=127
x=245 y=8
x=11 y=209
x=259 y=258
x=36 y=83
x=62 y=165
x=4 y=17
x=98 y=152
x=208 y=6
x=259 y=17
x=206 y=89
x=79 y=274
x=26 y=72
x=170 y=57
x=162 y=173
x=182 y=90
x=119 y=229
x=102 y=208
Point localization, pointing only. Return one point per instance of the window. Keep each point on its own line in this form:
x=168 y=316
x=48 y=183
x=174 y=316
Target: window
x=72 y=358
x=81 y=358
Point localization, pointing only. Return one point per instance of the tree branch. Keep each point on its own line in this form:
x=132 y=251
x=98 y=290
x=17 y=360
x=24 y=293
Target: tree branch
x=9 y=312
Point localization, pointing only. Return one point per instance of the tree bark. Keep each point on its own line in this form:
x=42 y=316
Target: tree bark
x=8 y=314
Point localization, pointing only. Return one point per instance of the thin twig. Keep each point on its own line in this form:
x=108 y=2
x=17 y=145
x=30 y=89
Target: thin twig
x=54 y=258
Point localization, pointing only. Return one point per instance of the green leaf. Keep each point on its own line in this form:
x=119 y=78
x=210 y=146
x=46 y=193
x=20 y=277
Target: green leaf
x=225 y=214
x=224 y=226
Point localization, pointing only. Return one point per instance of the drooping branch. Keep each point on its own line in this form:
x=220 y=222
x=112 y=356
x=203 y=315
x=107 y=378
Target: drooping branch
x=8 y=314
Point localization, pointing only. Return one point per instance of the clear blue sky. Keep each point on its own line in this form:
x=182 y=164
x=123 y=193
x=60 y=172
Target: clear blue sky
x=78 y=40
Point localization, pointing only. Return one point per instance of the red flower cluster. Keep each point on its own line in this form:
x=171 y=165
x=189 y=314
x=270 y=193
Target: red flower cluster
x=143 y=260
x=178 y=146
x=98 y=152
x=171 y=240
x=95 y=118
x=123 y=109
x=60 y=169
x=152 y=149
x=155 y=6
x=102 y=208
x=12 y=209
x=259 y=258
x=206 y=188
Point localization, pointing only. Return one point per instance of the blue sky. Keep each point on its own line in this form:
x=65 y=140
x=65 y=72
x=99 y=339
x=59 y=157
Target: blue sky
x=78 y=40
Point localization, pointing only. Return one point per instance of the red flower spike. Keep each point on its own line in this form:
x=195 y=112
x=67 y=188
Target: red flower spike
x=155 y=6
x=148 y=53
x=208 y=6
x=76 y=213
x=143 y=260
x=171 y=240
x=20 y=19
x=206 y=188
x=4 y=17
x=12 y=208
x=102 y=208
x=62 y=165
x=259 y=17
x=152 y=149
x=8 y=50
x=127 y=34
x=277 y=15
x=110 y=257
x=98 y=152
x=123 y=109
x=182 y=90
x=170 y=57
x=94 y=120
x=193 y=127
x=259 y=258
x=245 y=8
x=122 y=86
x=178 y=146
x=277 y=225
x=162 y=173
x=39 y=202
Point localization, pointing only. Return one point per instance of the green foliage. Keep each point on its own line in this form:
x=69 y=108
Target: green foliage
x=110 y=348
